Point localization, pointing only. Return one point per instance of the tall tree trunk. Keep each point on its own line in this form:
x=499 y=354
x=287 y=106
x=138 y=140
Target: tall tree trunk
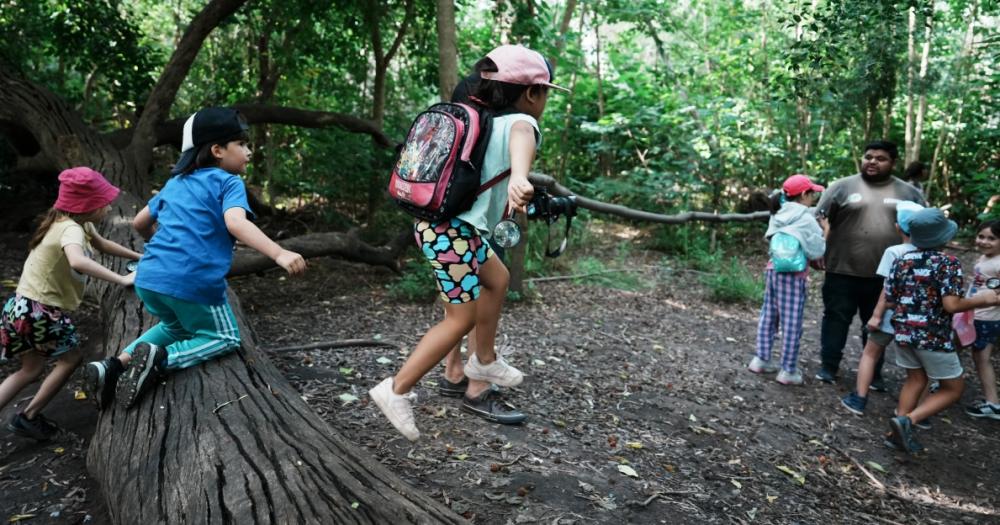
x=447 y=48
x=911 y=58
x=518 y=254
x=383 y=57
x=918 y=127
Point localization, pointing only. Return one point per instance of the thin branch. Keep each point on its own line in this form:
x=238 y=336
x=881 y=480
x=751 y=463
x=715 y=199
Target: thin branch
x=344 y=343
x=539 y=179
x=165 y=91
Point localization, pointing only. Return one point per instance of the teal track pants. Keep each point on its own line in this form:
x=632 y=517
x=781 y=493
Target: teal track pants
x=192 y=333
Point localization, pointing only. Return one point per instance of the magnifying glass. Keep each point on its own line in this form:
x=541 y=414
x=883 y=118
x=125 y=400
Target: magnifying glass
x=506 y=234
x=993 y=283
x=131 y=266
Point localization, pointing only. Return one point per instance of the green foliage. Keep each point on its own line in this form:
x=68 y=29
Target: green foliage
x=417 y=283
x=730 y=281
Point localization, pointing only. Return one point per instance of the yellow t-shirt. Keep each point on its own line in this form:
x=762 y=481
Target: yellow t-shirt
x=47 y=276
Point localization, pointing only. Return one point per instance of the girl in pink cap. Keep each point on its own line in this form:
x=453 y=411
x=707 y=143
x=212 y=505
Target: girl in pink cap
x=795 y=238
x=34 y=324
x=514 y=84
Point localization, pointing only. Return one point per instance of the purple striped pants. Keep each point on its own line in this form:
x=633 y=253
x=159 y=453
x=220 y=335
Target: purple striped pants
x=784 y=303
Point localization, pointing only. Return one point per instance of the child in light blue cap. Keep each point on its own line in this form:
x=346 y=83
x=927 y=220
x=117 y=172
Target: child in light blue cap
x=879 y=328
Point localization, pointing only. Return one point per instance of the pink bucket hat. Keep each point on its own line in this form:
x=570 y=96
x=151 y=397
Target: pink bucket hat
x=798 y=184
x=83 y=190
x=520 y=65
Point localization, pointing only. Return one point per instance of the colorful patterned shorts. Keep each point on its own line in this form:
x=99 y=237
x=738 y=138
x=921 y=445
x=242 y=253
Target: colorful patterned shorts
x=30 y=325
x=455 y=251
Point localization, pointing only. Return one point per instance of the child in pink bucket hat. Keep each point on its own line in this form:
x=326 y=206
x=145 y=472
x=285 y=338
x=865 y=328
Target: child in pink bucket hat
x=34 y=323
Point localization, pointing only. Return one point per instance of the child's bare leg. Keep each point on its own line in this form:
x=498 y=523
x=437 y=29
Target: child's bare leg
x=494 y=277
x=32 y=366
x=454 y=368
x=866 y=366
x=913 y=388
x=987 y=376
x=53 y=382
x=436 y=343
x=949 y=394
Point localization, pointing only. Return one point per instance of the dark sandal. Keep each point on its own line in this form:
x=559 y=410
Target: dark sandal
x=491 y=407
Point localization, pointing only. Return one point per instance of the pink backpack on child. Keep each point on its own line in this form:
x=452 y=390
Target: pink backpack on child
x=437 y=175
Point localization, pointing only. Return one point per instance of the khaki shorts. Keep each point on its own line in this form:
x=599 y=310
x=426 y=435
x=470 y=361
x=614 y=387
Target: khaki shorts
x=937 y=365
x=880 y=338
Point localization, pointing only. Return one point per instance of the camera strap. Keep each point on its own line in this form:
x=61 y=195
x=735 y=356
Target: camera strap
x=549 y=252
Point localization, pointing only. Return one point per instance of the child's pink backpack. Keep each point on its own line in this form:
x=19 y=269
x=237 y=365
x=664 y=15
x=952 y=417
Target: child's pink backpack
x=437 y=174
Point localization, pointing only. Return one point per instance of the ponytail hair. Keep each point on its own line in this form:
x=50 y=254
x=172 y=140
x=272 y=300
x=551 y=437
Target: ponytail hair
x=51 y=217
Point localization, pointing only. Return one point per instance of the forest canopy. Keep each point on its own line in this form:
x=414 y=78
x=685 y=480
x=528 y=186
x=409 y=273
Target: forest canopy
x=673 y=106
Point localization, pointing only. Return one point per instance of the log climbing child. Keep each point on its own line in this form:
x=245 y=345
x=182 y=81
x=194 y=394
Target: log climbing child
x=879 y=326
x=924 y=289
x=35 y=323
x=987 y=320
x=796 y=238
x=514 y=83
x=190 y=227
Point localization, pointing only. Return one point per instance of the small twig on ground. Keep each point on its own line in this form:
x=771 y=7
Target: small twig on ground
x=344 y=343
x=659 y=494
x=578 y=275
x=219 y=407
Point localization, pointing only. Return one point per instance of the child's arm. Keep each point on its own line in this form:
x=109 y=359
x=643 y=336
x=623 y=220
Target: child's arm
x=880 y=307
x=248 y=233
x=112 y=248
x=954 y=304
x=85 y=265
x=144 y=223
x=522 y=154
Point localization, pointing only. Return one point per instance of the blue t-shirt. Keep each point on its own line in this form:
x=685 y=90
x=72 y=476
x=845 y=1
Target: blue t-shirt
x=190 y=254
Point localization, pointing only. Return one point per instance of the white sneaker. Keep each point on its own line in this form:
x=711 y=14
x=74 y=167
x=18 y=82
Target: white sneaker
x=759 y=366
x=498 y=372
x=789 y=378
x=396 y=408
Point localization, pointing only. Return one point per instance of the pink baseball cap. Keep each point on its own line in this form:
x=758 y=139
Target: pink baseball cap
x=798 y=184
x=83 y=190
x=520 y=65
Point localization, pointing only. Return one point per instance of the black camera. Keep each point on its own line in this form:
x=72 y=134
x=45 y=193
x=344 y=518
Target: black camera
x=544 y=205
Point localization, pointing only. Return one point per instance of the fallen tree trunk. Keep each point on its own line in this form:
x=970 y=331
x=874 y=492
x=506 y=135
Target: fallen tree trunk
x=344 y=245
x=231 y=441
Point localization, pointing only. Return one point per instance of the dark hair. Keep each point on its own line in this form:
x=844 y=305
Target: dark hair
x=993 y=225
x=204 y=157
x=884 y=145
x=914 y=171
x=497 y=95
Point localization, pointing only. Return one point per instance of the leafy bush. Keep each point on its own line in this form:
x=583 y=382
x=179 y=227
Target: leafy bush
x=415 y=285
x=734 y=283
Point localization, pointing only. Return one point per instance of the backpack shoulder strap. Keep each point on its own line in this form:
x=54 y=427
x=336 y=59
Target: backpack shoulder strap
x=492 y=182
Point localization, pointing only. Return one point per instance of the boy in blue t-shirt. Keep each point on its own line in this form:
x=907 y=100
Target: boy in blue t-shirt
x=190 y=226
x=924 y=288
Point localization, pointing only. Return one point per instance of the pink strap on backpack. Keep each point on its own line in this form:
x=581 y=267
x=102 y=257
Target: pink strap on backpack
x=964 y=325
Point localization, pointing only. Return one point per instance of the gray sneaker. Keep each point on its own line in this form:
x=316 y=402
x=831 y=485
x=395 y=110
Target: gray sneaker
x=498 y=372
x=760 y=366
x=396 y=407
x=148 y=365
x=902 y=434
x=983 y=409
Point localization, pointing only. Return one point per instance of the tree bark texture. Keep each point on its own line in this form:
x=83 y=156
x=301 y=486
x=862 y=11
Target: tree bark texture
x=447 y=48
x=230 y=441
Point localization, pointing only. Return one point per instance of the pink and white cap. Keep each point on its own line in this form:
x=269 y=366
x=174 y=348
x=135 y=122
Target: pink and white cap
x=519 y=65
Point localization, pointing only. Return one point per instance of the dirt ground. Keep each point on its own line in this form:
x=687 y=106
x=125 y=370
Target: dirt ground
x=641 y=411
